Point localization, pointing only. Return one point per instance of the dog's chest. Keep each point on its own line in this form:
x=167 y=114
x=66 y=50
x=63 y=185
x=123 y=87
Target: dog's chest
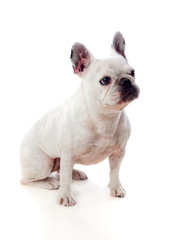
x=96 y=150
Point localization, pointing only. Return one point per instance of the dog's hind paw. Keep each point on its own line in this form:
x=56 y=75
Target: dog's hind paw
x=78 y=175
x=53 y=184
x=49 y=183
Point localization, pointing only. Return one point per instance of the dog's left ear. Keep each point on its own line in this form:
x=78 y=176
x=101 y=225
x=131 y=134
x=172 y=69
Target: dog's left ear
x=81 y=58
x=118 y=44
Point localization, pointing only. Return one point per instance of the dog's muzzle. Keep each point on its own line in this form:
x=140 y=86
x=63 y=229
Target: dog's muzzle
x=129 y=90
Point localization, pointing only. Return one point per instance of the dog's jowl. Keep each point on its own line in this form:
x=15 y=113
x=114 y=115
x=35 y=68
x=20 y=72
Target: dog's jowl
x=88 y=128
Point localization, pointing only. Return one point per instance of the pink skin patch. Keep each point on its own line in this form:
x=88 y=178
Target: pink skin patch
x=115 y=96
x=81 y=64
x=56 y=165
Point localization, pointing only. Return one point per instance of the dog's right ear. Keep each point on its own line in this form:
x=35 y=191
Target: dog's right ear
x=81 y=58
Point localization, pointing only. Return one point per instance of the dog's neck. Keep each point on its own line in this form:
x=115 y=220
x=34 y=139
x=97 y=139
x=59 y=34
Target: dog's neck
x=107 y=123
x=104 y=120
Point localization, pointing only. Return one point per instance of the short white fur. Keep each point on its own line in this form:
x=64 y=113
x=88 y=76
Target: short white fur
x=88 y=128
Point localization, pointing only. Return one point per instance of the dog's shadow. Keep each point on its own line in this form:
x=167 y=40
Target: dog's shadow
x=94 y=210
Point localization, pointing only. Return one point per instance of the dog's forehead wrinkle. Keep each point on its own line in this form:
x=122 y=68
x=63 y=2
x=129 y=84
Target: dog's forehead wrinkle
x=114 y=67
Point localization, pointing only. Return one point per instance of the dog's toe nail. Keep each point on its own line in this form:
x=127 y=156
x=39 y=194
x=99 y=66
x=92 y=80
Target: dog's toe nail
x=61 y=201
x=83 y=178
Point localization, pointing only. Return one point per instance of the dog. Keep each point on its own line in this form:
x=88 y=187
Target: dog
x=88 y=128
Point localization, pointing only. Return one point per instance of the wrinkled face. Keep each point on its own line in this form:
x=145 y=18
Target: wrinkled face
x=112 y=81
x=108 y=83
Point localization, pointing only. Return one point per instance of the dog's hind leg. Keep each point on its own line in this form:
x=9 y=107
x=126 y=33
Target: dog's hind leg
x=49 y=183
x=36 y=168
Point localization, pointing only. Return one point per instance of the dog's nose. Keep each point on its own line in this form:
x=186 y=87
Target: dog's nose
x=125 y=82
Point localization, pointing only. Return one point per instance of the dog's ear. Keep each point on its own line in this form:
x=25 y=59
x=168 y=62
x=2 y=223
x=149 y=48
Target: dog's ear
x=118 y=44
x=81 y=58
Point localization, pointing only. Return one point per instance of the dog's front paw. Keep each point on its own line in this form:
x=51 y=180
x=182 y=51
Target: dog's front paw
x=66 y=199
x=117 y=192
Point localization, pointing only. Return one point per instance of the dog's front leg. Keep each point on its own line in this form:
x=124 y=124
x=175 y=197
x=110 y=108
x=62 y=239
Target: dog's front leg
x=116 y=190
x=65 y=195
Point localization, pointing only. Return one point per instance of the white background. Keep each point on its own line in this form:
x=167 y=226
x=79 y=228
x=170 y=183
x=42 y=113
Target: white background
x=36 y=75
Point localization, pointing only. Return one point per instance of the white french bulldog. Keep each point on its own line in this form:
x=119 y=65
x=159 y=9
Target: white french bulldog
x=87 y=128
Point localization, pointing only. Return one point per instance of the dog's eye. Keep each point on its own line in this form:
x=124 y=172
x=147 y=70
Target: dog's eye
x=132 y=73
x=105 y=81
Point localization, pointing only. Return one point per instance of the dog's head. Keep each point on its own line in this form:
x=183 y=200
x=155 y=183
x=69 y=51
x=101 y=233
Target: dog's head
x=109 y=82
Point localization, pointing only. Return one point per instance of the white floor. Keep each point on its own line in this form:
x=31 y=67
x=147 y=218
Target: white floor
x=154 y=208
